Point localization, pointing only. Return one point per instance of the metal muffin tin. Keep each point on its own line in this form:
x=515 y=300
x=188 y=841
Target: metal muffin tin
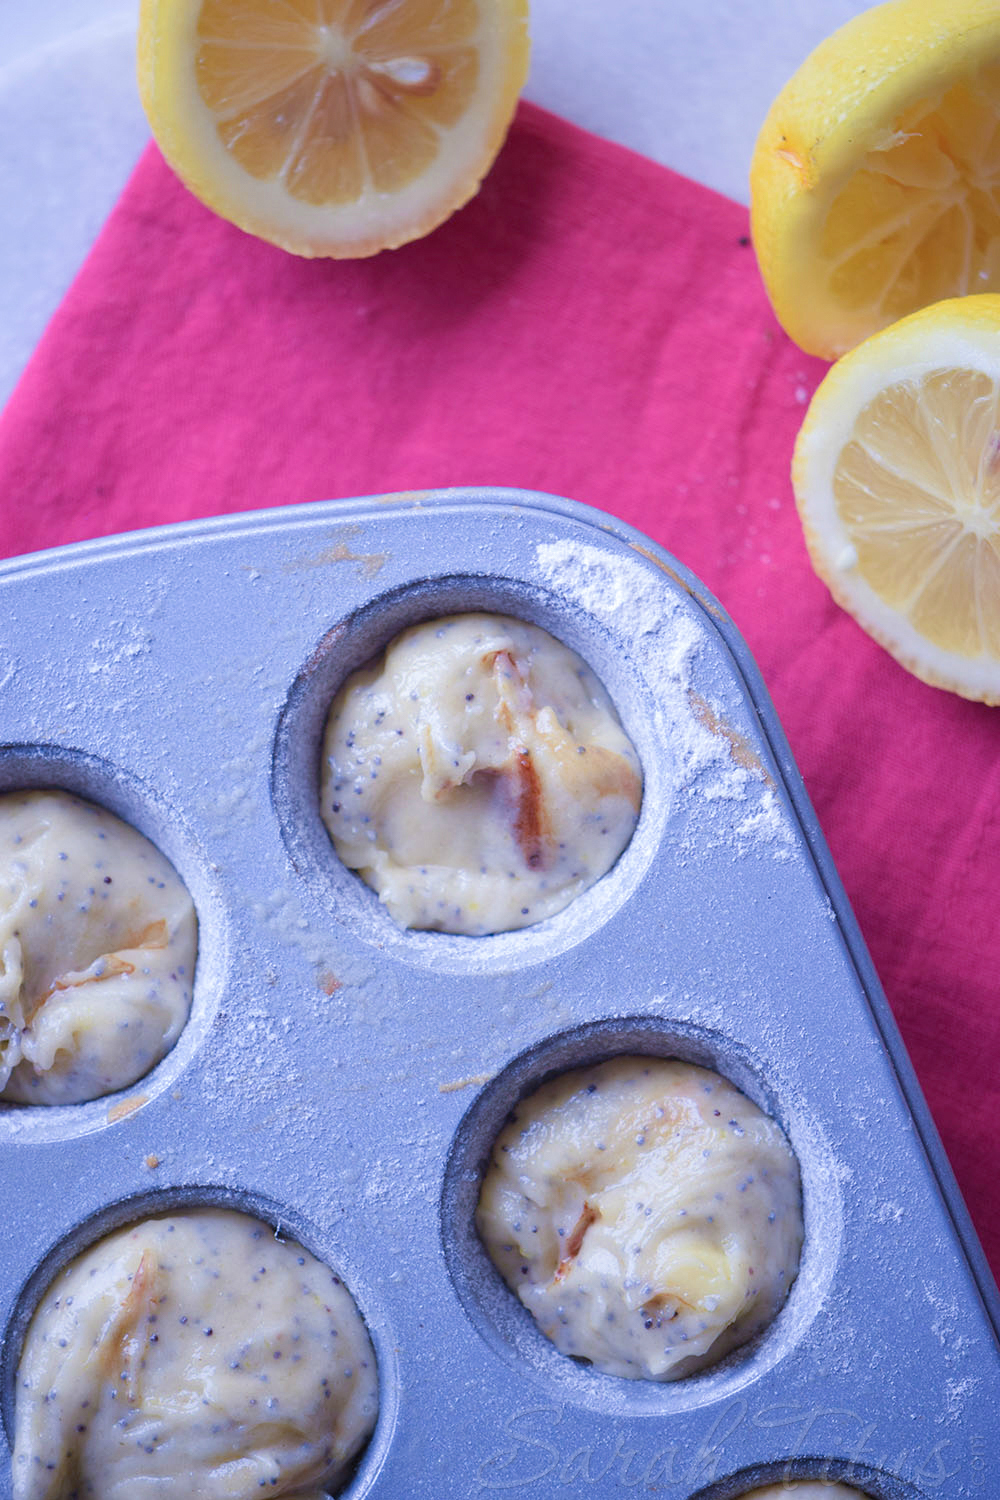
x=345 y=1079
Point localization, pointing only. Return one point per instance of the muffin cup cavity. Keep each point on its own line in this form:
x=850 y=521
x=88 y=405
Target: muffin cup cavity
x=870 y=1482
x=39 y=768
x=509 y=1328
x=285 y=1224
x=359 y=639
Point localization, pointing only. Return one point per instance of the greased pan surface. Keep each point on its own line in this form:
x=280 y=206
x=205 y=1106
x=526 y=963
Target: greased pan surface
x=345 y=1079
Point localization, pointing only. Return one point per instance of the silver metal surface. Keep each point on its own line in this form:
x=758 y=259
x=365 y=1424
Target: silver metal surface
x=345 y=1079
x=686 y=83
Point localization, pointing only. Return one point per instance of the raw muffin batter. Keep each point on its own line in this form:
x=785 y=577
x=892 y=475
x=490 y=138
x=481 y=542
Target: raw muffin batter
x=477 y=776
x=195 y=1354
x=97 y=950
x=646 y=1213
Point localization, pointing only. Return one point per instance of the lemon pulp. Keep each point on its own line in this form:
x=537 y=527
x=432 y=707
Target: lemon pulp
x=335 y=95
x=332 y=127
x=918 y=492
x=920 y=218
x=875 y=179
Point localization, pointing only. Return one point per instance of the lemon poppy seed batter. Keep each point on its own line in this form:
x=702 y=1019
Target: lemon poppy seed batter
x=646 y=1213
x=477 y=776
x=97 y=950
x=193 y=1354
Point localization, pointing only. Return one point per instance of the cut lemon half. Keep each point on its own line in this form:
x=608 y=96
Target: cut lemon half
x=332 y=127
x=875 y=181
x=896 y=474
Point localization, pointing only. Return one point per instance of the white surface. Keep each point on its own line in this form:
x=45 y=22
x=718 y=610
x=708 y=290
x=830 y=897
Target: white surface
x=686 y=82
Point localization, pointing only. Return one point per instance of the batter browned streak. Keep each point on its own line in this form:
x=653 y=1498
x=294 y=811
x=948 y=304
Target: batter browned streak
x=574 y=1243
x=740 y=747
x=112 y=968
x=529 y=820
x=491 y=662
x=655 y=1306
x=127 y=1334
x=530 y=824
x=155 y=935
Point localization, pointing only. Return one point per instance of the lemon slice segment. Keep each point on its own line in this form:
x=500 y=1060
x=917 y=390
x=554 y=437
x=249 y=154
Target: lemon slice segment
x=875 y=180
x=896 y=475
x=332 y=127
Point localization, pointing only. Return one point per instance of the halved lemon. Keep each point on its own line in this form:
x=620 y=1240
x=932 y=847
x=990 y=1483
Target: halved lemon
x=332 y=127
x=896 y=474
x=875 y=181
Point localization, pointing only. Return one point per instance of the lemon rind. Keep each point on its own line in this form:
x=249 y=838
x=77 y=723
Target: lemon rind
x=185 y=132
x=960 y=333
x=816 y=134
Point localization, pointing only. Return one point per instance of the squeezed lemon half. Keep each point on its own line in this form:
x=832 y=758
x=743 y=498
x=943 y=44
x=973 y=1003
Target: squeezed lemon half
x=875 y=181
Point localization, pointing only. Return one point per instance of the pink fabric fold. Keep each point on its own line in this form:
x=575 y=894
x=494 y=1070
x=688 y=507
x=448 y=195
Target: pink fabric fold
x=591 y=325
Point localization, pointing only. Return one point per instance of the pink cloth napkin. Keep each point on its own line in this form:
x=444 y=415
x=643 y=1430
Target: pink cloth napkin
x=590 y=325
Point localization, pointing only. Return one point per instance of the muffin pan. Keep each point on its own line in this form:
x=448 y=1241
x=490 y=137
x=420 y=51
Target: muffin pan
x=344 y=1079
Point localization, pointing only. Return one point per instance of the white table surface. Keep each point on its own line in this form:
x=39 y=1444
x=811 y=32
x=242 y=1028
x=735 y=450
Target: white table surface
x=686 y=82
